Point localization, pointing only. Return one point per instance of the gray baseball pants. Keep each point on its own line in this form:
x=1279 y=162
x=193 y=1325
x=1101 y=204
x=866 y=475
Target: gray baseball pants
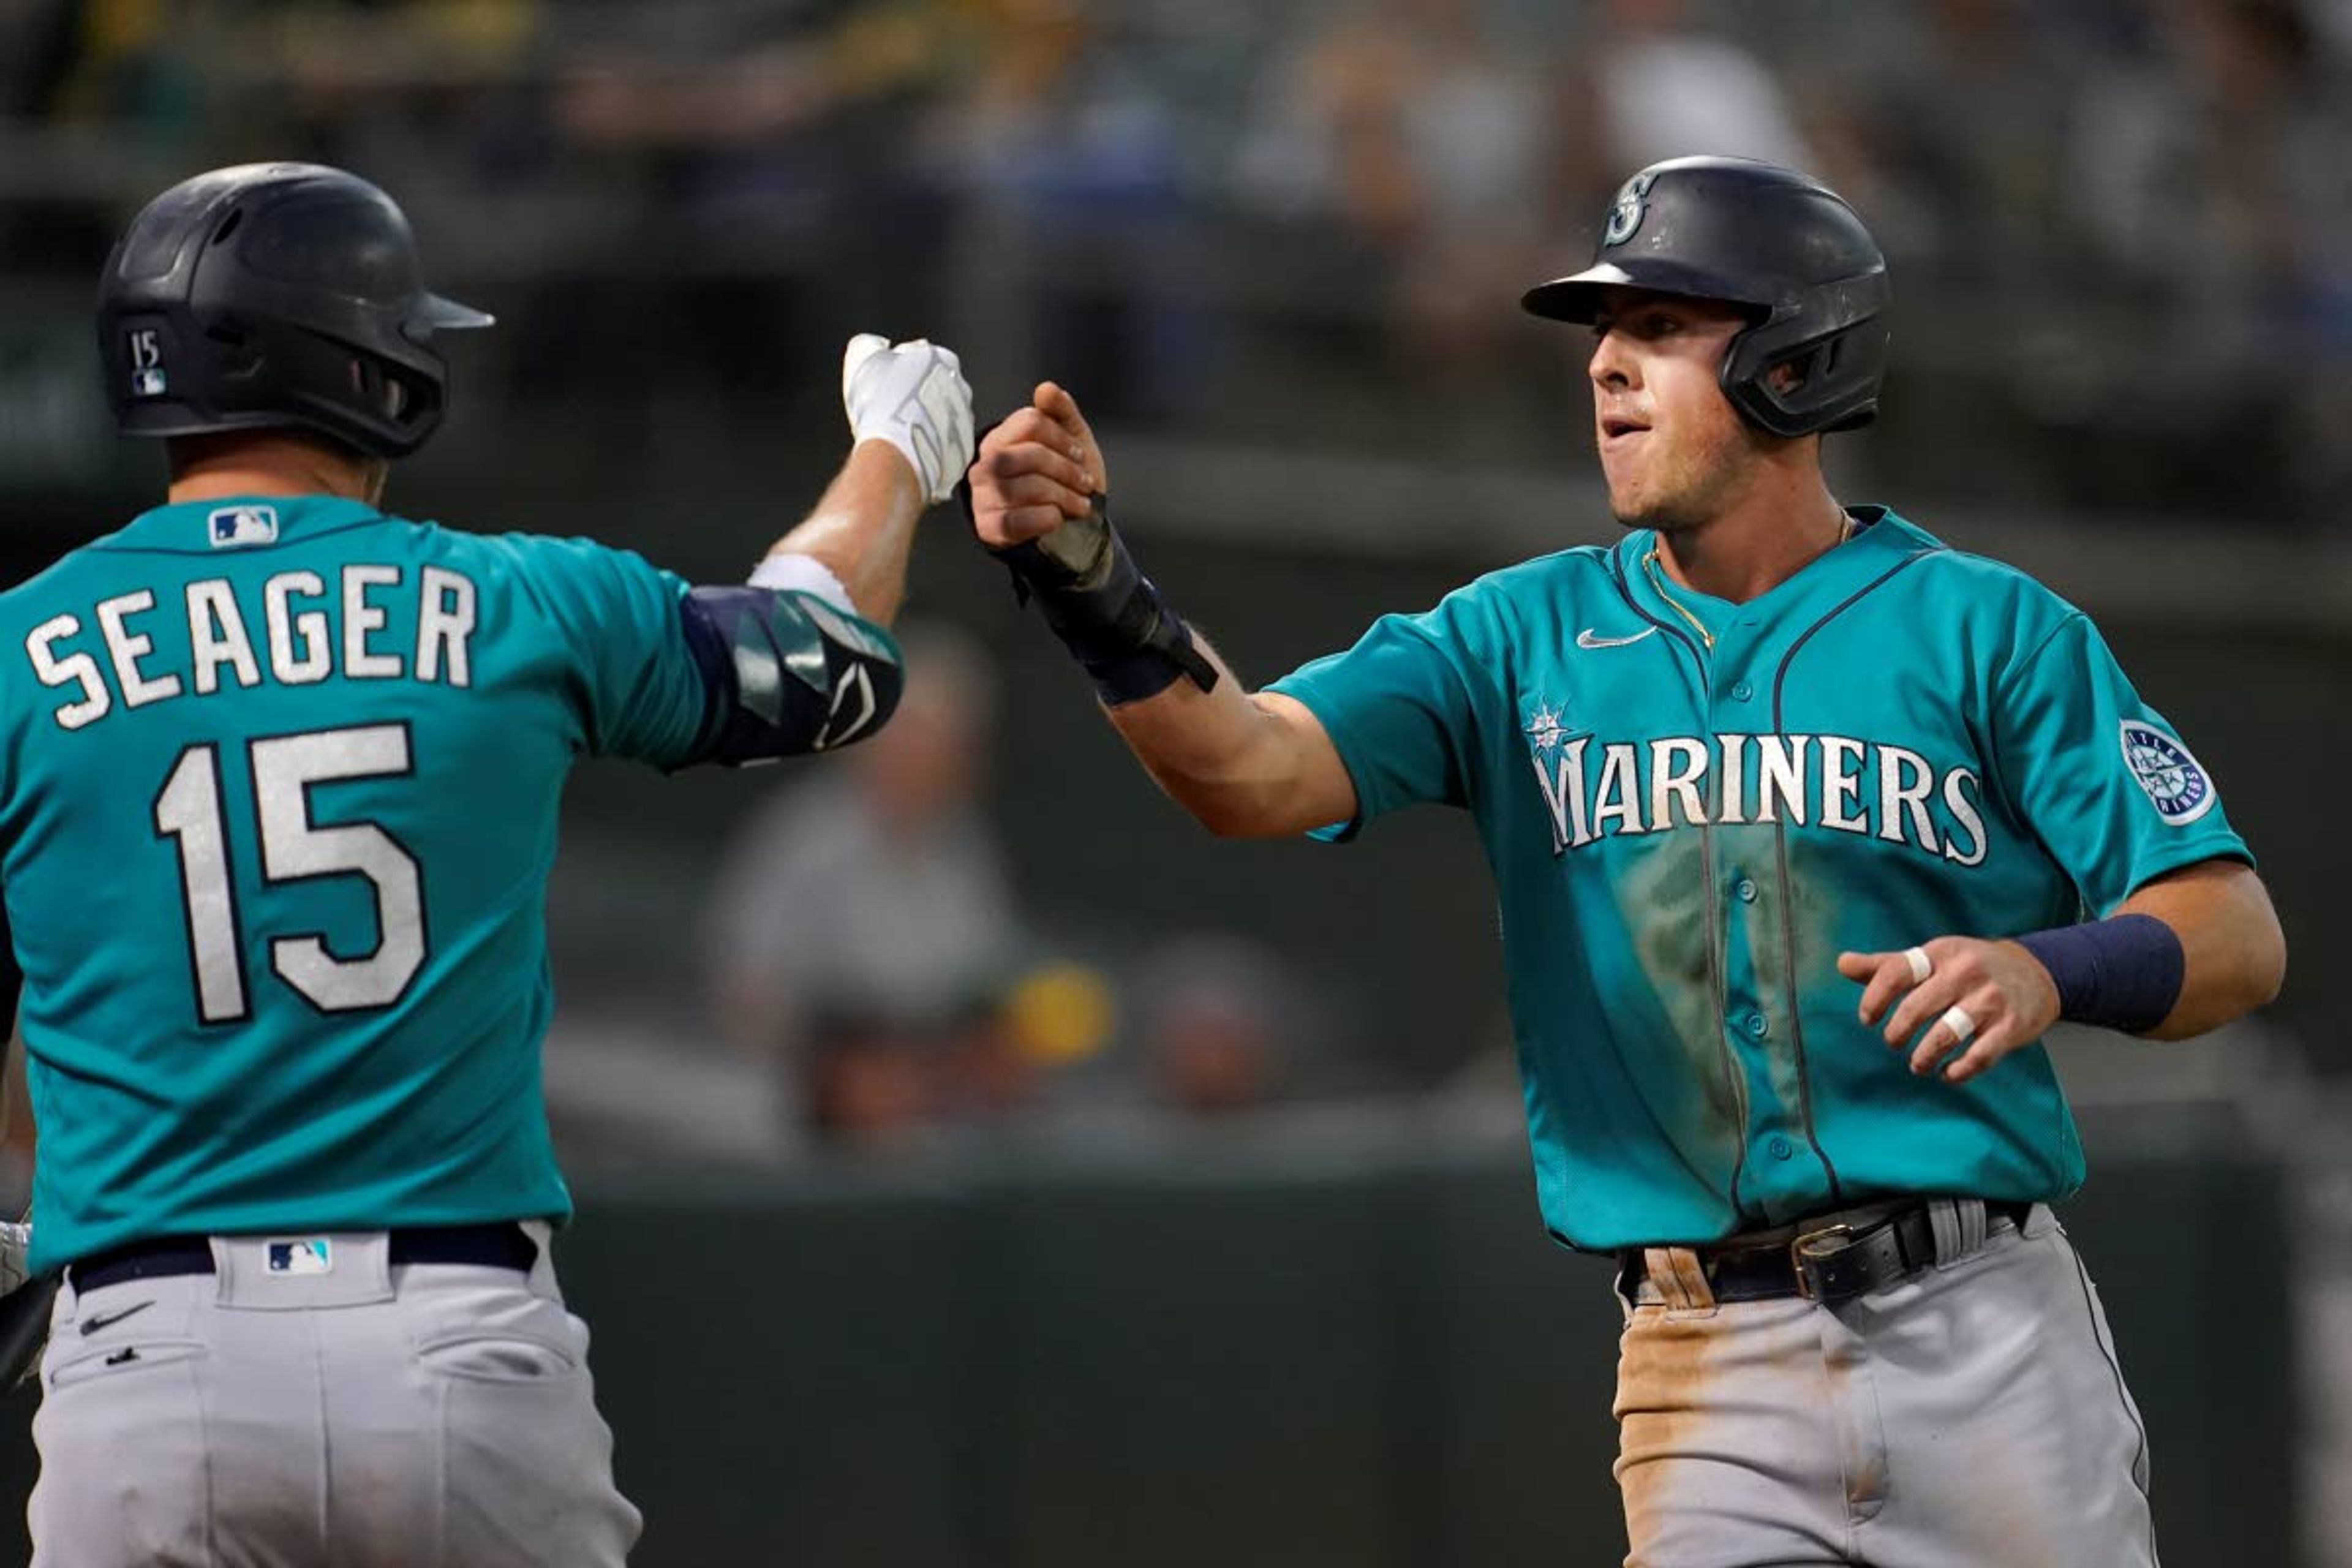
x=1972 y=1414
x=429 y=1415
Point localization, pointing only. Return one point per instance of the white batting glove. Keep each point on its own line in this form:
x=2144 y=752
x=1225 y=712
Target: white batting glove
x=913 y=395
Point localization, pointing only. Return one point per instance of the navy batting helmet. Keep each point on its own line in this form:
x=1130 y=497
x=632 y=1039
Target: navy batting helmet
x=275 y=294
x=1779 y=243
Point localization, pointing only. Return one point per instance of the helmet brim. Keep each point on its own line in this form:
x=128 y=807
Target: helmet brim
x=1577 y=297
x=435 y=314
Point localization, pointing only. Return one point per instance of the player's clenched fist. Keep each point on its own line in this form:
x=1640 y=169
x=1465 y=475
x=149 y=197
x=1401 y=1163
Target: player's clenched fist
x=1989 y=997
x=1037 y=470
x=1037 y=496
x=913 y=395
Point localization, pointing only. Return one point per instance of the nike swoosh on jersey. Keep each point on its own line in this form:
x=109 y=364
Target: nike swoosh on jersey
x=1588 y=637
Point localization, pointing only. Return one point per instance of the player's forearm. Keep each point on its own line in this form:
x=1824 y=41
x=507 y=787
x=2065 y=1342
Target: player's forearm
x=2234 y=953
x=1245 y=765
x=862 y=529
x=1221 y=754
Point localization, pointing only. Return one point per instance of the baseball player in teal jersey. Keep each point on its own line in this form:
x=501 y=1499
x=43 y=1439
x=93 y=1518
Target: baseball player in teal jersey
x=278 y=784
x=1806 y=826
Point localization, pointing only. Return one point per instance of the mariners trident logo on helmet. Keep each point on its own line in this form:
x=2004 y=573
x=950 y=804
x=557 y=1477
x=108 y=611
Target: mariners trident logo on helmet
x=1625 y=214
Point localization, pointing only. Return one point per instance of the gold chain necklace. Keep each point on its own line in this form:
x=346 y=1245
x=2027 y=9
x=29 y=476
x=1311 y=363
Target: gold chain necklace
x=1650 y=565
x=1658 y=581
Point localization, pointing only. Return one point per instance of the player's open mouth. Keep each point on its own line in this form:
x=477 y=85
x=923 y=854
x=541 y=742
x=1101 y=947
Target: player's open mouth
x=1614 y=425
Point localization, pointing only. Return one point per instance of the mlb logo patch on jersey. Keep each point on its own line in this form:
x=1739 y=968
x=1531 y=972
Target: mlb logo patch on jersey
x=233 y=525
x=307 y=1255
x=2172 y=778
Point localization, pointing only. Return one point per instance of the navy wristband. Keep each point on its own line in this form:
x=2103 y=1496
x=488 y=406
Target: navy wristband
x=2120 y=973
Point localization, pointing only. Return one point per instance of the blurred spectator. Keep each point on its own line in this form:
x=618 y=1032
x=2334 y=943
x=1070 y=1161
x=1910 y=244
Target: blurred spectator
x=1156 y=200
x=131 y=66
x=863 y=927
x=1214 y=1023
x=1668 y=90
x=2210 y=190
x=1426 y=146
x=2216 y=161
x=1077 y=216
x=38 y=43
x=90 y=92
x=1220 y=1027
x=1951 y=144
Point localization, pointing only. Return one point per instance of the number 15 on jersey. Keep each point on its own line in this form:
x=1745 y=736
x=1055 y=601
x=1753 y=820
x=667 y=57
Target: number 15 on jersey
x=189 y=812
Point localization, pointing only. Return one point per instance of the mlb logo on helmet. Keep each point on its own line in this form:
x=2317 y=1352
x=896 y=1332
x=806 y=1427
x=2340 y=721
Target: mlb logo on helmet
x=232 y=525
x=309 y=1255
x=147 y=379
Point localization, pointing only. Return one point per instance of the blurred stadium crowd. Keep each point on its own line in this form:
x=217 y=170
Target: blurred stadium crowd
x=2121 y=235
x=2121 y=229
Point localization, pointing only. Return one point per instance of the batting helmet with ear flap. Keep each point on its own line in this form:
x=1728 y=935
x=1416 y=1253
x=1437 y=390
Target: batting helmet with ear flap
x=1781 y=244
x=275 y=294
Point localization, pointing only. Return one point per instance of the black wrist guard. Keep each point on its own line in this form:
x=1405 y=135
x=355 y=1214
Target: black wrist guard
x=1111 y=617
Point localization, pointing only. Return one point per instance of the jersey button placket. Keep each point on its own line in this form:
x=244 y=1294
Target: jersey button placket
x=1734 y=652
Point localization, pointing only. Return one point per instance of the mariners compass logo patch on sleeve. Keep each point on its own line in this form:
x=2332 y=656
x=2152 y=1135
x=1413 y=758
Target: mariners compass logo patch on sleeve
x=2174 y=781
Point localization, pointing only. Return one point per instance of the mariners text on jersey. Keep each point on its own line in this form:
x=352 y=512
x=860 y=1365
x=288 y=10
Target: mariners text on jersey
x=1834 y=781
x=295 y=628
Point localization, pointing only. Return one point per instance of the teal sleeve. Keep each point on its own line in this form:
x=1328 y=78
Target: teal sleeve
x=2105 y=783
x=1399 y=713
x=617 y=620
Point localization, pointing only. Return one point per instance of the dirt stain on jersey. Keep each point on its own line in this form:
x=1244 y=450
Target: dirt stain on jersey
x=1765 y=935
x=1667 y=896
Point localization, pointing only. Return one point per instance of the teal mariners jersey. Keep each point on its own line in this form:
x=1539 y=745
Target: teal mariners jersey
x=278 y=806
x=1901 y=741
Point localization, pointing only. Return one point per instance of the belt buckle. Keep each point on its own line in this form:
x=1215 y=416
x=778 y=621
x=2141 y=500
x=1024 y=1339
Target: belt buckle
x=1803 y=1250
